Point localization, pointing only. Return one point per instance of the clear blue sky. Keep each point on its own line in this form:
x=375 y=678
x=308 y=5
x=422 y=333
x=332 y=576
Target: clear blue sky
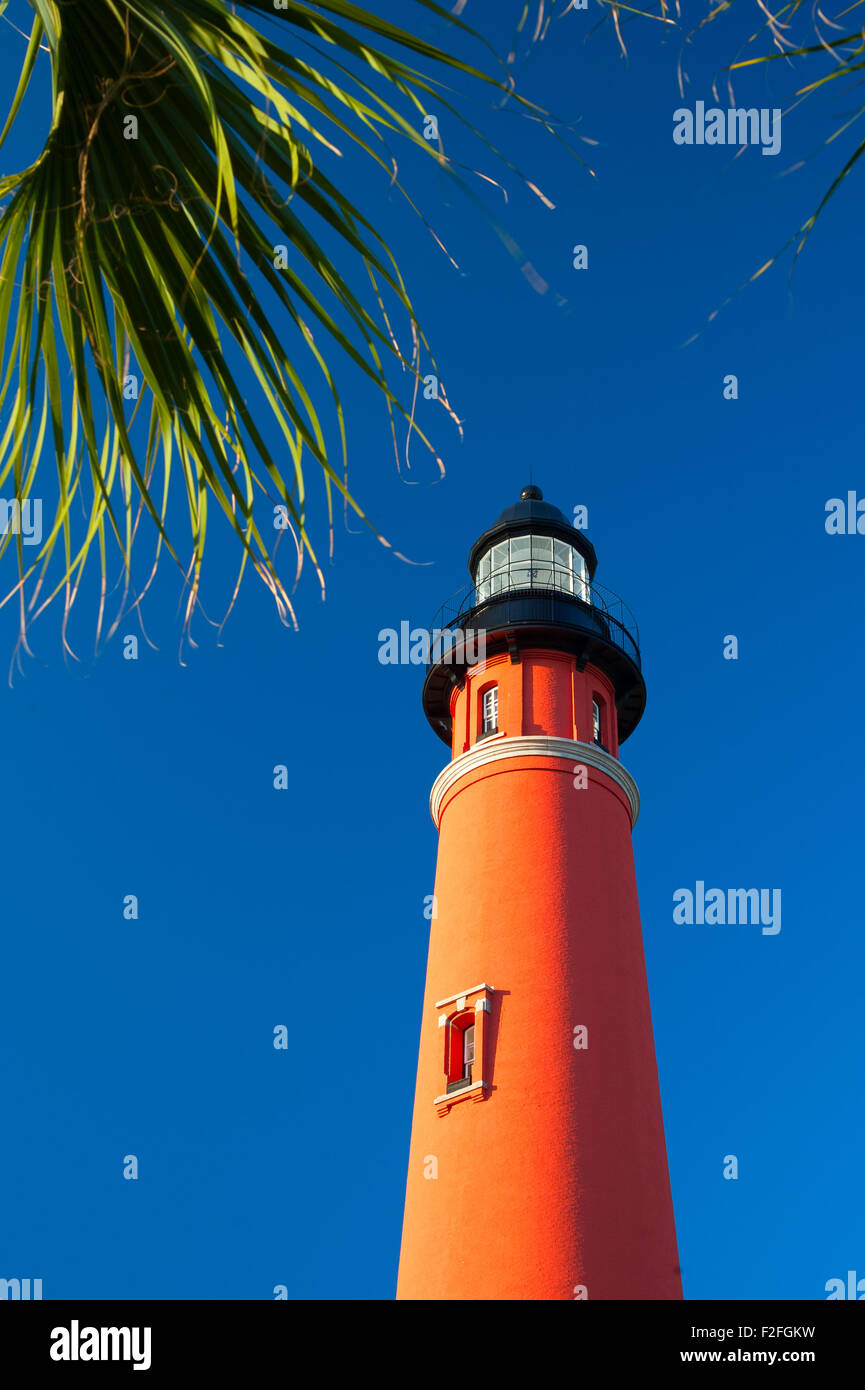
x=305 y=907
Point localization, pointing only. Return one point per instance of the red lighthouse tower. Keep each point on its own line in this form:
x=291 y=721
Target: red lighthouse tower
x=538 y=1166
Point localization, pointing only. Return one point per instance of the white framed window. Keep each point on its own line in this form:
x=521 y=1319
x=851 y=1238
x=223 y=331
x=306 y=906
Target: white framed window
x=491 y=710
x=464 y=1033
x=468 y=1052
x=596 y=722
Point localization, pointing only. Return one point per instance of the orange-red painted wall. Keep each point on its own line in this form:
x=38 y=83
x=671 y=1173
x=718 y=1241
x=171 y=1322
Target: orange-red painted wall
x=544 y=693
x=559 y=1178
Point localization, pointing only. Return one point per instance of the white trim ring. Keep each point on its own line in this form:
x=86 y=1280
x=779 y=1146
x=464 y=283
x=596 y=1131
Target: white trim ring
x=532 y=746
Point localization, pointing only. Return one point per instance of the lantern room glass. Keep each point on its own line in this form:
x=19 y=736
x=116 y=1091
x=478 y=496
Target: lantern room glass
x=531 y=562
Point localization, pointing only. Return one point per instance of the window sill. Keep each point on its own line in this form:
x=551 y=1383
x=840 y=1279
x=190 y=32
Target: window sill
x=483 y=738
x=477 y=1091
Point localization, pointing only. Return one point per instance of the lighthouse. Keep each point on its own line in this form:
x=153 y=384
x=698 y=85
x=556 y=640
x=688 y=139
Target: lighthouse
x=537 y=1165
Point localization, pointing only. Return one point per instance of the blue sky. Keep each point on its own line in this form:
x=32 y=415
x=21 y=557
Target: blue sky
x=304 y=907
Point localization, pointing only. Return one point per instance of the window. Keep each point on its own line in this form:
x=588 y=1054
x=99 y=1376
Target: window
x=460 y=1055
x=563 y=567
x=466 y=1038
x=521 y=563
x=596 y=722
x=468 y=1052
x=490 y=721
x=499 y=573
x=542 y=562
x=531 y=562
x=581 y=582
x=483 y=577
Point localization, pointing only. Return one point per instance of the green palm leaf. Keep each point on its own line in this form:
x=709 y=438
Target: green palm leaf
x=183 y=151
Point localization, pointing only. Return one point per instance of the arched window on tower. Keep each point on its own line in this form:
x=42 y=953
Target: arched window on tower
x=490 y=710
x=466 y=1040
x=460 y=1055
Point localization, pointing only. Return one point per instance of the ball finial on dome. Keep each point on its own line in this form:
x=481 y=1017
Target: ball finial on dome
x=531 y=494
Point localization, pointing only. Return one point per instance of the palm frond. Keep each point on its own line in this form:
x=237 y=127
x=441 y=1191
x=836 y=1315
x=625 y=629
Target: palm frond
x=179 y=228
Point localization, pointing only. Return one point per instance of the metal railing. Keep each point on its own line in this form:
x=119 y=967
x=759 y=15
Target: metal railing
x=545 y=581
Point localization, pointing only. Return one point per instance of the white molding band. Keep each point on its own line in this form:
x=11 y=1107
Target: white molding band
x=533 y=746
x=463 y=995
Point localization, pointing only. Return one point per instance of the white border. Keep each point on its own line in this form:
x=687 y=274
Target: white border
x=462 y=994
x=532 y=746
